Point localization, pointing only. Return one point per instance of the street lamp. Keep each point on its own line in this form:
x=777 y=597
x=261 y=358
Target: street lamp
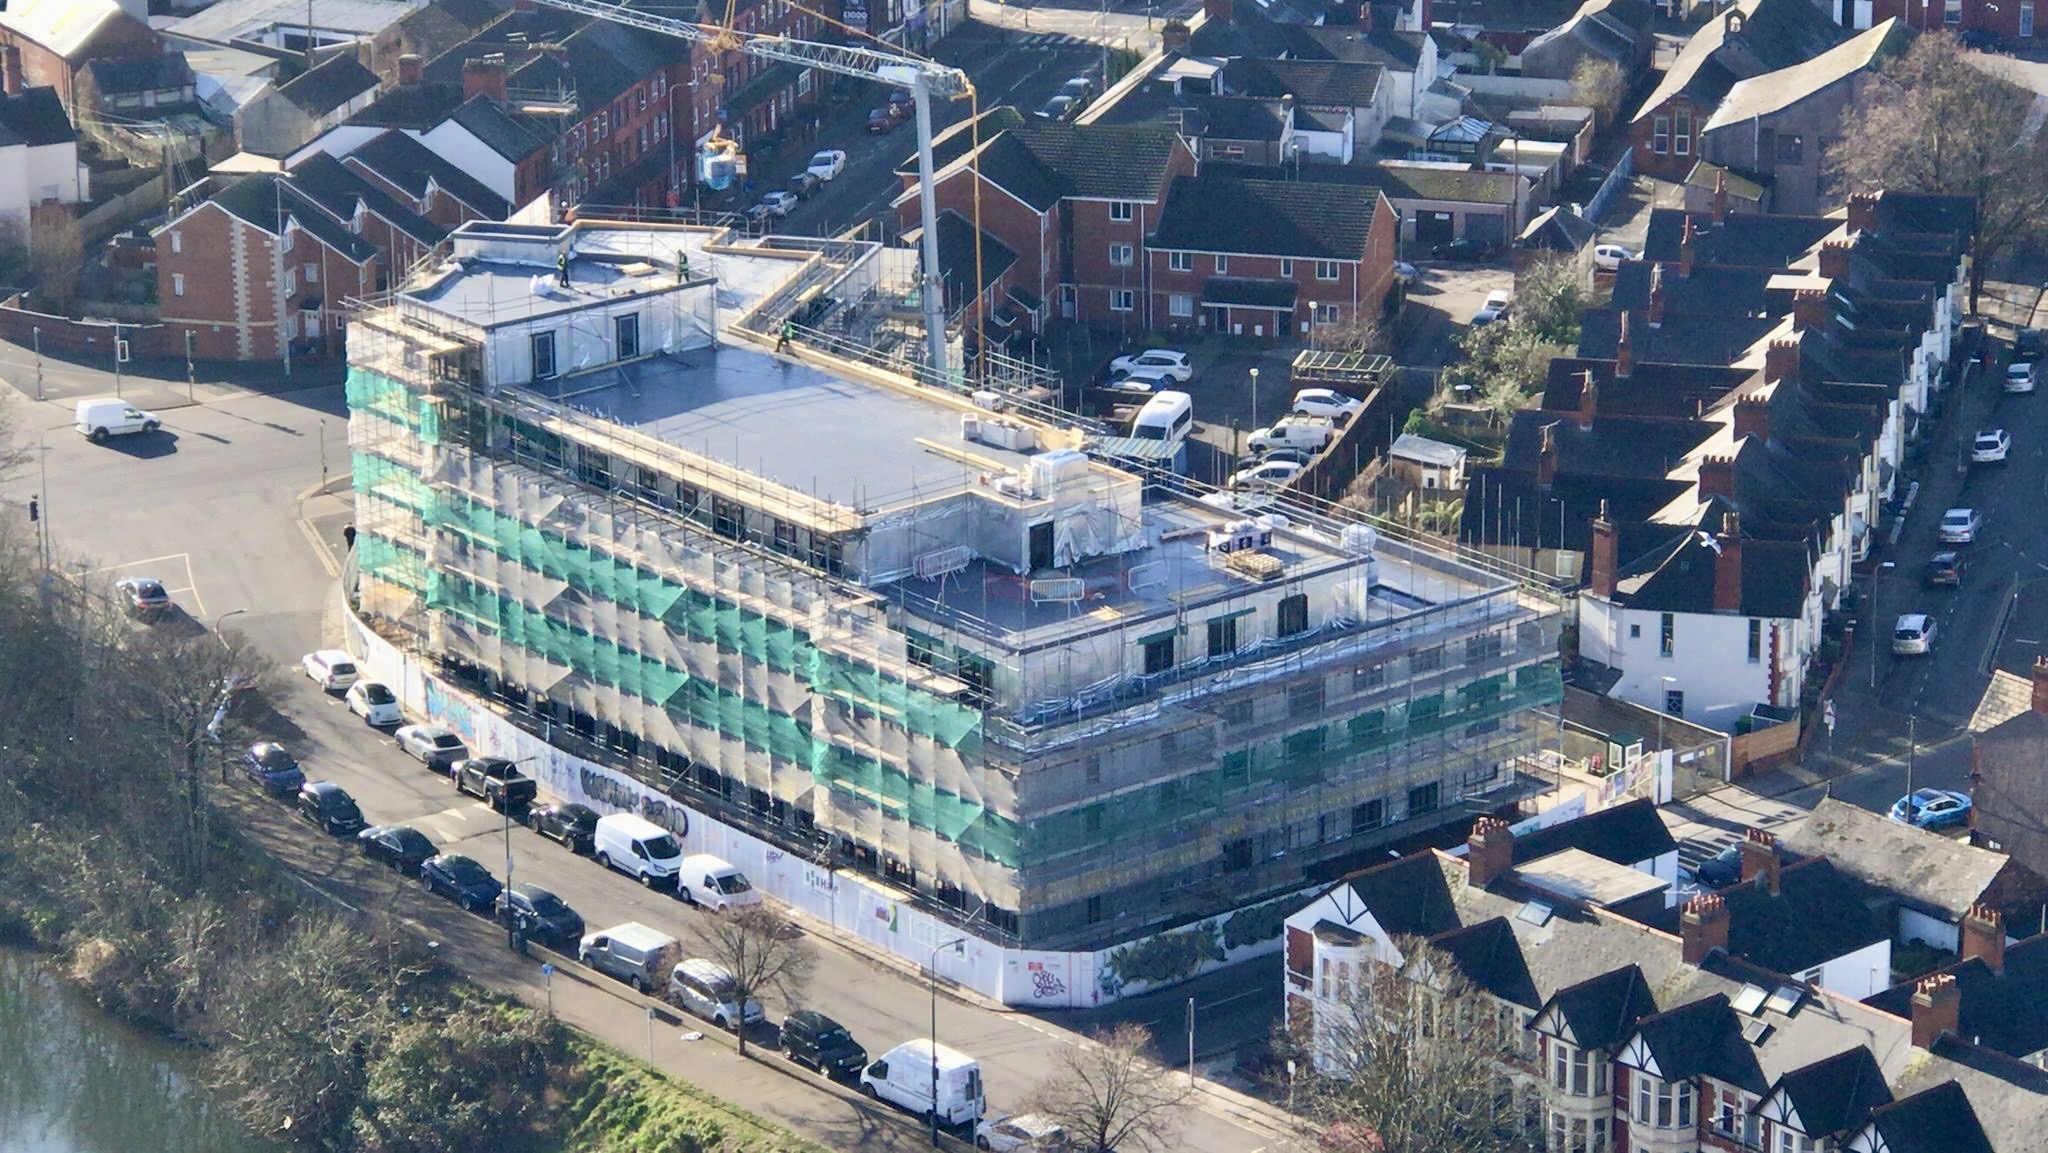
x=222 y=619
x=1255 y=400
x=957 y=945
x=1876 y=586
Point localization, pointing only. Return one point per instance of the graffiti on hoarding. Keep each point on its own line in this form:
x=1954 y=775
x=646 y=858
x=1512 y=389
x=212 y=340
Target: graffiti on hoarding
x=604 y=790
x=820 y=880
x=1045 y=984
x=451 y=709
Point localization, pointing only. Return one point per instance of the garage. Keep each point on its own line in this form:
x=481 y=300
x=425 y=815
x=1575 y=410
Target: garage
x=1435 y=227
x=1487 y=226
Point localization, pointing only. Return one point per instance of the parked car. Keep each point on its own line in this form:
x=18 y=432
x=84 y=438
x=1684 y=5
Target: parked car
x=1079 y=89
x=144 y=598
x=776 y=204
x=902 y=98
x=569 y=824
x=106 y=416
x=540 y=915
x=882 y=119
x=1944 y=568
x=329 y=806
x=1494 y=307
x=2021 y=376
x=1610 y=256
x=1464 y=248
x=1932 y=808
x=631 y=952
x=811 y=1038
x=374 y=703
x=1990 y=447
x=1287 y=455
x=494 y=780
x=1164 y=362
x=1325 y=402
x=331 y=669
x=1722 y=869
x=434 y=745
x=826 y=163
x=1267 y=474
x=804 y=183
x=1304 y=435
x=2029 y=344
x=706 y=989
x=1913 y=635
x=1058 y=109
x=1022 y=1132
x=638 y=847
x=400 y=846
x=1406 y=273
x=711 y=883
x=461 y=880
x=1960 y=525
x=268 y=764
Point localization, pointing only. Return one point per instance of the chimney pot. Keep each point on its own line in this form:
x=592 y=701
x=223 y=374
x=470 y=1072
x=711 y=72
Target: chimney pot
x=1760 y=864
x=1781 y=359
x=1703 y=928
x=1834 y=259
x=1984 y=936
x=411 y=69
x=1937 y=1009
x=1490 y=851
x=1809 y=309
x=1603 y=550
x=1728 y=566
x=1174 y=36
x=1717 y=477
x=2041 y=684
x=1752 y=417
x=1863 y=212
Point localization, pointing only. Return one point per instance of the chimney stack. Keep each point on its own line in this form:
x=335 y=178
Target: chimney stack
x=10 y=66
x=1174 y=36
x=2041 y=684
x=1603 y=558
x=1702 y=928
x=1863 y=212
x=1834 y=259
x=1728 y=566
x=1809 y=309
x=1937 y=1009
x=1781 y=359
x=1546 y=456
x=1752 y=418
x=1657 y=294
x=1490 y=852
x=1717 y=477
x=1589 y=399
x=1217 y=10
x=1984 y=936
x=1720 y=197
x=1624 y=351
x=485 y=76
x=411 y=69
x=1685 y=248
x=1760 y=864
x=1364 y=17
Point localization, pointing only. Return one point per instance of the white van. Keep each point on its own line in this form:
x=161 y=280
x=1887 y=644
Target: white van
x=706 y=989
x=1168 y=416
x=631 y=952
x=903 y=1078
x=637 y=846
x=105 y=416
x=1291 y=433
x=705 y=880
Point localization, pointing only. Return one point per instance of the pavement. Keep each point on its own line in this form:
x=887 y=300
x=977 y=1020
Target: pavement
x=237 y=506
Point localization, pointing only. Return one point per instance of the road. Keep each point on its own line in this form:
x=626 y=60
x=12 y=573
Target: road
x=219 y=507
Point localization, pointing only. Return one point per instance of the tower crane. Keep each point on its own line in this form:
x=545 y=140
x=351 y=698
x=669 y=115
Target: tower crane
x=924 y=78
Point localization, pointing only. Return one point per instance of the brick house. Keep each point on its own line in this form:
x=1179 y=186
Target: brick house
x=2015 y=22
x=49 y=42
x=405 y=169
x=284 y=117
x=2007 y=783
x=1266 y=259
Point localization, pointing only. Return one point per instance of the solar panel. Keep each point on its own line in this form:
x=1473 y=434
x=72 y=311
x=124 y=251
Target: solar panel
x=1750 y=1000
x=1535 y=912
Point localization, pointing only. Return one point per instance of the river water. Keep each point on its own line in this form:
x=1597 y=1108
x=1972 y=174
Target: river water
x=75 y=1080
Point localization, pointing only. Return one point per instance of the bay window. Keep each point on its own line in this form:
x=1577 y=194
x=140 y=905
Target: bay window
x=1663 y=1104
x=1577 y=1071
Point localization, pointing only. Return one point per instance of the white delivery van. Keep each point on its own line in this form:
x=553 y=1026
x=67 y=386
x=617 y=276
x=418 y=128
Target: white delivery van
x=631 y=952
x=1168 y=416
x=903 y=1078
x=1292 y=433
x=639 y=847
x=105 y=416
x=705 y=880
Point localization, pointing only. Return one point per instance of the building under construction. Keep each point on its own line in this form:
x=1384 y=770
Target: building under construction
x=907 y=629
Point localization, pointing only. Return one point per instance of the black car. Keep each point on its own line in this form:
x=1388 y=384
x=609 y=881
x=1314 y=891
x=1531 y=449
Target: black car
x=811 y=1038
x=146 y=598
x=268 y=764
x=804 y=183
x=902 y=98
x=883 y=119
x=1944 y=568
x=461 y=880
x=573 y=825
x=495 y=780
x=1463 y=248
x=329 y=806
x=1722 y=869
x=401 y=846
x=541 y=915
x=1059 y=109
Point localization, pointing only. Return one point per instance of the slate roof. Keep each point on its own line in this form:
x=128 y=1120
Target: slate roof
x=2000 y=1011
x=1774 y=34
x=1488 y=956
x=416 y=106
x=1601 y=1010
x=1740 y=186
x=65 y=27
x=1011 y=165
x=1331 y=83
x=334 y=186
x=410 y=165
x=957 y=238
x=513 y=137
x=1712 y=290
x=34 y=118
x=1100 y=160
x=1251 y=33
x=1264 y=217
x=597 y=62
x=1836 y=1095
x=958 y=139
x=1624 y=834
x=328 y=85
x=1773 y=92
x=1558 y=229
x=1935 y=1120
x=1818 y=914
x=1931 y=871
x=1748 y=239
x=1667 y=390
x=1237 y=118
x=1682 y=338
x=1702 y=1037
x=140 y=74
x=1679 y=576
x=257 y=199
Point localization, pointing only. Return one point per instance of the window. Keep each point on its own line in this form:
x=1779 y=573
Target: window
x=1326 y=270
x=1180 y=261
x=1674 y=702
x=1287 y=270
x=1329 y=313
x=1423 y=799
x=1222 y=265
x=626 y=331
x=1667 y=633
x=177 y=242
x=543 y=356
x=1576 y=1071
x=1122 y=300
x=1366 y=677
x=177 y=284
x=1660 y=135
x=1222 y=636
x=1681 y=139
x=1426 y=660
x=1094 y=909
x=1368 y=815
x=1120 y=255
x=1293 y=615
x=1791 y=148
x=1635 y=632
x=1305 y=699
x=1180 y=304
x=312 y=273
x=1792 y=1141
x=1120 y=209
x=1158 y=654
x=1664 y=1104
x=1952 y=12
x=1756 y=640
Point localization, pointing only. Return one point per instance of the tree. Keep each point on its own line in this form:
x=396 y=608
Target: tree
x=762 y=949
x=57 y=255
x=1408 y=1054
x=1550 y=293
x=1359 y=333
x=1599 y=84
x=1936 y=122
x=1110 y=1097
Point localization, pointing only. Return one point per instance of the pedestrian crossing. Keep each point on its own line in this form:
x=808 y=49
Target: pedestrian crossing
x=1050 y=40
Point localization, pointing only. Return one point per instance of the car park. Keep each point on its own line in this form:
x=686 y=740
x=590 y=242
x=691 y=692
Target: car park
x=1267 y=474
x=1990 y=447
x=1494 y=307
x=540 y=915
x=434 y=746
x=1959 y=526
x=102 y=417
x=1913 y=635
x=144 y=598
x=1932 y=808
x=1022 y=1133
x=1944 y=568
x=568 y=824
x=1610 y=256
x=374 y=703
x=631 y=952
x=331 y=669
x=1325 y=402
x=402 y=847
x=1465 y=249
x=826 y=163
x=329 y=806
x=1163 y=362
x=2021 y=376
x=816 y=1041
x=495 y=781
x=268 y=764
x=707 y=989
x=461 y=880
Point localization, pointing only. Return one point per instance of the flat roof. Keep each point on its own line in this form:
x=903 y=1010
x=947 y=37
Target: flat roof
x=1582 y=877
x=228 y=19
x=488 y=293
x=785 y=421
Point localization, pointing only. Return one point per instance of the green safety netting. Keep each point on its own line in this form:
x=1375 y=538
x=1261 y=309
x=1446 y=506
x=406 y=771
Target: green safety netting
x=391 y=562
x=375 y=476
x=379 y=395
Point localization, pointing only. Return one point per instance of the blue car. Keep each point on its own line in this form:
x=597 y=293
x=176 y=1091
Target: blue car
x=269 y=765
x=1932 y=808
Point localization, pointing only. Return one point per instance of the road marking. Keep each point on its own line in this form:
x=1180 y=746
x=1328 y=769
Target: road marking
x=319 y=548
x=184 y=558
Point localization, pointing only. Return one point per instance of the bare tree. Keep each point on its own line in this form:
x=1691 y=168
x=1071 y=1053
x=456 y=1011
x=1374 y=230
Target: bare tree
x=1599 y=84
x=1410 y=1055
x=57 y=255
x=1936 y=122
x=762 y=949
x=1112 y=1098
x=1360 y=333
